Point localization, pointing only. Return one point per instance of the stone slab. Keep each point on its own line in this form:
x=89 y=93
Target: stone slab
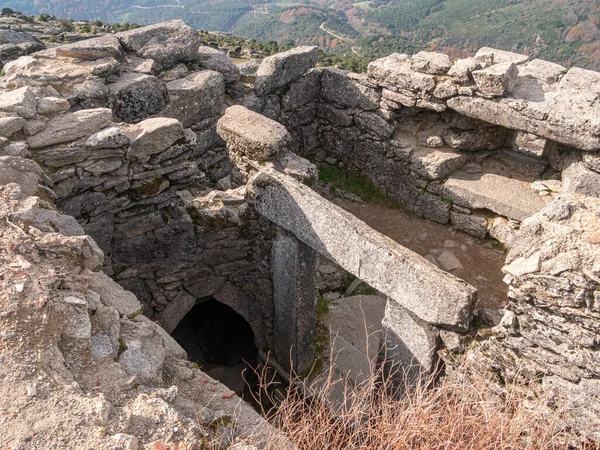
x=435 y=296
x=563 y=123
x=408 y=345
x=294 y=265
x=72 y=126
x=505 y=196
x=92 y=49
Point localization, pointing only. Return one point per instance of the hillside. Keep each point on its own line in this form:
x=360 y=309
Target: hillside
x=565 y=31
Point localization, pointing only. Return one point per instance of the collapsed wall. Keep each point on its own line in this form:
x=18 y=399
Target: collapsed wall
x=127 y=131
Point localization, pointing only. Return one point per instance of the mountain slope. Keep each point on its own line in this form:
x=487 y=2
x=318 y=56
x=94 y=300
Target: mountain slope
x=565 y=31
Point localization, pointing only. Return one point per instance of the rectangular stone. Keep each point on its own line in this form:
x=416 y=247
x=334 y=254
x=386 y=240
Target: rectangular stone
x=294 y=265
x=433 y=295
x=563 y=125
x=505 y=196
x=408 y=345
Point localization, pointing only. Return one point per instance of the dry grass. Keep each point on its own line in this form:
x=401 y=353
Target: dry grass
x=465 y=411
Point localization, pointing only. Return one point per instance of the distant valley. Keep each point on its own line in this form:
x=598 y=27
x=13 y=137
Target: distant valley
x=565 y=31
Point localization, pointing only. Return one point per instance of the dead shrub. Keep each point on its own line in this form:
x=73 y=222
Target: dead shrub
x=463 y=410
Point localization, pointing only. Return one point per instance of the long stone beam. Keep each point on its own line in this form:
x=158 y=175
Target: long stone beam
x=433 y=295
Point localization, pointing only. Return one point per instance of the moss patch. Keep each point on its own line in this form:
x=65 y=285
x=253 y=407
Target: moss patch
x=122 y=347
x=206 y=222
x=322 y=306
x=148 y=189
x=357 y=185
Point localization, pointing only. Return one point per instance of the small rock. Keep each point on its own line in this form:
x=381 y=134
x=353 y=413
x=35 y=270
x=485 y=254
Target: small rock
x=331 y=295
x=32 y=390
x=50 y=105
x=126 y=441
x=111 y=137
x=448 y=261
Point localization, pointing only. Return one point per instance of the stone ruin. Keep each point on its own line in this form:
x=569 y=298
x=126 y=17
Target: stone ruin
x=193 y=176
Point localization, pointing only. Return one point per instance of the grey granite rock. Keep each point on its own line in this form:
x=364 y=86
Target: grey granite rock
x=278 y=70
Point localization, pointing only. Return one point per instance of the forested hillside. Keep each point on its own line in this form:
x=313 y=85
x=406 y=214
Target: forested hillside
x=565 y=31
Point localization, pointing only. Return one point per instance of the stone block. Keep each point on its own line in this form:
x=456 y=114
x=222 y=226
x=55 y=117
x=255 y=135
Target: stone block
x=462 y=69
x=92 y=49
x=408 y=345
x=112 y=137
x=113 y=295
x=251 y=134
x=144 y=353
x=167 y=43
x=505 y=196
x=528 y=165
x=490 y=138
x=20 y=101
x=337 y=88
x=435 y=164
x=403 y=98
x=545 y=71
x=335 y=116
x=212 y=59
x=25 y=172
x=370 y=122
x=592 y=161
x=470 y=224
x=577 y=178
x=10 y=125
x=153 y=136
x=196 y=97
x=575 y=121
x=500 y=56
x=136 y=96
x=496 y=80
x=578 y=79
x=532 y=144
x=303 y=91
x=51 y=105
x=248 y=70
x=431 y=63
x=281 y=69
x=170 y=316
x=432 y=207
x=394 y=72
x=445 y=89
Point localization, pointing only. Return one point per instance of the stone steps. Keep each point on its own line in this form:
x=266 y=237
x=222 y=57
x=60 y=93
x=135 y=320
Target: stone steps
x=505 y=196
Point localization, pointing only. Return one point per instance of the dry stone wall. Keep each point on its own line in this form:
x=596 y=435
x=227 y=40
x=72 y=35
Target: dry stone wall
x=130 y=132
x=465 y=143
x=124 y=128
x=484 y=144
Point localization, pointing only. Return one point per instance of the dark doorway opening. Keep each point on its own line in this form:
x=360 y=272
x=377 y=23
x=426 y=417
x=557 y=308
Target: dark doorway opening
x=221 y=342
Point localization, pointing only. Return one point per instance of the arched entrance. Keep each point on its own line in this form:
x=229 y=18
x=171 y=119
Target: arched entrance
x=219 y=340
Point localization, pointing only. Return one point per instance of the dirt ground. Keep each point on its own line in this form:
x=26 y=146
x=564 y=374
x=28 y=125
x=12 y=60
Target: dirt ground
x=481 y=261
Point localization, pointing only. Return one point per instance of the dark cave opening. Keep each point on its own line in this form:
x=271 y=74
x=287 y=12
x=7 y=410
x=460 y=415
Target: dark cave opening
x=221 y=342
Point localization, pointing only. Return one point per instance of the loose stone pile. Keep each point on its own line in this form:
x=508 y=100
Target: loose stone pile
x=133 y=140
